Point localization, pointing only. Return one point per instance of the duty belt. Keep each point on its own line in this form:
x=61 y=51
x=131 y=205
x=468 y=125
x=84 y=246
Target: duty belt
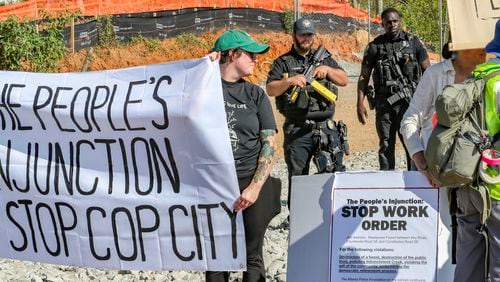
x=310 y=124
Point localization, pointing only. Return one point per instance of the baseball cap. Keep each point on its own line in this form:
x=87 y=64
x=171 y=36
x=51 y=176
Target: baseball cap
x=233 y=38
x=303 y=26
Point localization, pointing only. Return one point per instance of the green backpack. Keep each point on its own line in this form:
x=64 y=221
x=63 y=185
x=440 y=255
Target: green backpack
x=454 y=148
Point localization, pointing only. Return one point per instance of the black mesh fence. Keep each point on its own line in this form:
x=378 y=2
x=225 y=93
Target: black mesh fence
x=331 y=23
x=173 y=23
x=167 y=24
x=86 y=35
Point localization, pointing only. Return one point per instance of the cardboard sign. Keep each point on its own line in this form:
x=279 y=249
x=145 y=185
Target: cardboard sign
x=472 y=22
x=369 y=226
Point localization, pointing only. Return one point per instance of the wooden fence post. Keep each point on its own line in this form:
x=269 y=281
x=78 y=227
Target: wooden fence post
x=72 y=36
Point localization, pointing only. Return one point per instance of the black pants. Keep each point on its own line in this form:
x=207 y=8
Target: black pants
x=388 y=121
x=299 y=148
x=256 y=218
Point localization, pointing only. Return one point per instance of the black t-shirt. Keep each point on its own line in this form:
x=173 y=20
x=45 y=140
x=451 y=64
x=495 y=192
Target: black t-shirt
x=248 y=111
x=372 y=52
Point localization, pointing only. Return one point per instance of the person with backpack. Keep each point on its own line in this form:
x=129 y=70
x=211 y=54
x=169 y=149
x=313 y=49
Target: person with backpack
x=478 y=242
x=417 y=122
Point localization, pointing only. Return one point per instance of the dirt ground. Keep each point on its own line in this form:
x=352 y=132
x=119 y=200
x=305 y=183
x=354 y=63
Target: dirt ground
x=346 y=47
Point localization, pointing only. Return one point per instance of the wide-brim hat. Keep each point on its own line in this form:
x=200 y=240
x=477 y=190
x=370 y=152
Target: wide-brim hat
x=233 y=39
x=304 y=26
x=494 y=46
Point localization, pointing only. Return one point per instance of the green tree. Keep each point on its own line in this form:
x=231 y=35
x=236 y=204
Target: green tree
x=107 y=35
x=24 y=47
x=17 y=43
x=419 y=16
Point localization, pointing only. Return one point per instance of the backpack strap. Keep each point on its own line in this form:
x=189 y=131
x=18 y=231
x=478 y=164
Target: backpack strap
x=453 y=206
x=495 y=138
x=483 y=231
x=490 y=76
x=484 y=192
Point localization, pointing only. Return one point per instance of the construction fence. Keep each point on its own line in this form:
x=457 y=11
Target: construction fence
x=31 y=8
x=167 y=18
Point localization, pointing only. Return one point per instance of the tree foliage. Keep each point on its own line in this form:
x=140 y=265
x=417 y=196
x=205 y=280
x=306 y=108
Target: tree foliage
x=419 y=16
x=32 y=46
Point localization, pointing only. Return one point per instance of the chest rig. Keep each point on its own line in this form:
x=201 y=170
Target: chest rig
x=396 y=70
x=310 y=105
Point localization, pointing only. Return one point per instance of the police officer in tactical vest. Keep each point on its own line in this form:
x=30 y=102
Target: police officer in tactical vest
x=397 y=59
x=309 y=128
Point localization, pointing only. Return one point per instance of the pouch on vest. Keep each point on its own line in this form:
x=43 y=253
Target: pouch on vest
x=302 y=101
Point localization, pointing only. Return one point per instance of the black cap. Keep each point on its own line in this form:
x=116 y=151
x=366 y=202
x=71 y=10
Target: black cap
x=303 y=26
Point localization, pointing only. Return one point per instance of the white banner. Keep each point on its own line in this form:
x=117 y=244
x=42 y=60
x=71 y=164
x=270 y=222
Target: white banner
x=387 y=233
x=128 y=169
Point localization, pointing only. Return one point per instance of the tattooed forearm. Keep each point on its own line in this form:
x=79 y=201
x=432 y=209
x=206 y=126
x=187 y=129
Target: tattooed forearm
x=266 y=155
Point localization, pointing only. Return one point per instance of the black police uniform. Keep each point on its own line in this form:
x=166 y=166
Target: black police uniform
x=304 y=119
x=396 y=71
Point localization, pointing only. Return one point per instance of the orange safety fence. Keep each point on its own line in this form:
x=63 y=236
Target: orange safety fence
x=31 y=9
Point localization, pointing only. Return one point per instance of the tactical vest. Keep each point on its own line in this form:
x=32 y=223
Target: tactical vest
x=315 y=107
x=396 y=66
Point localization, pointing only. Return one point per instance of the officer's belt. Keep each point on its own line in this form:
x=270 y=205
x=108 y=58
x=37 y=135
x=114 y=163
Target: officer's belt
x=310 y=124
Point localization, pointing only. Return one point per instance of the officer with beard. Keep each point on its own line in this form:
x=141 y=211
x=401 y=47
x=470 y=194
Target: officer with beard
x=311 y=115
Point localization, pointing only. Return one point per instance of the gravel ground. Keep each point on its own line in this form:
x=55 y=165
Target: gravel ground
x=352 y=69
x=275 y=248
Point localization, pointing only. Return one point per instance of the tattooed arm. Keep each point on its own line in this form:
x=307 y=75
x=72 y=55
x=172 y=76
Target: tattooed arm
x=266 y=159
